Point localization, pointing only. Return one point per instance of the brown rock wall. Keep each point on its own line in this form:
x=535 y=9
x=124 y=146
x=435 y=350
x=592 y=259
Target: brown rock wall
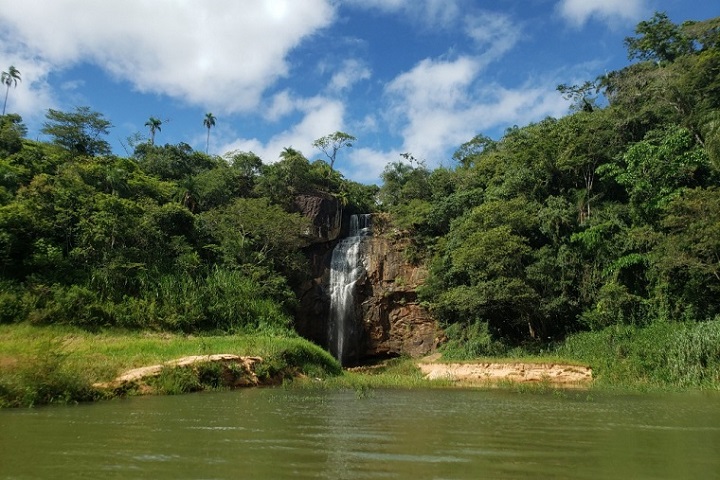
x=325 y=214
x=393 y=322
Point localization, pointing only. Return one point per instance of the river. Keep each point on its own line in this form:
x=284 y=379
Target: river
x=276 y=433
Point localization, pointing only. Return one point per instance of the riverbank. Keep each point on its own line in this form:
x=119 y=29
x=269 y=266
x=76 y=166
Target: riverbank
x=473 y=373
x=55 y=364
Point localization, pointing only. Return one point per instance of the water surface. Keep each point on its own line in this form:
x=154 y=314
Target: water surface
x=408 y=434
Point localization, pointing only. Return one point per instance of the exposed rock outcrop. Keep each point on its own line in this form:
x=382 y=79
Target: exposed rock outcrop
x=325 y=214
x=389 y=319
x=392 y=320
x=236 y=371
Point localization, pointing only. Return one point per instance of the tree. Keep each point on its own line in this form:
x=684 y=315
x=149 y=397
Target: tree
x=331 y=144
x=583 y=97
x=79 y=131
x=658 y=39
x=154 y=124
x=208 y=122
x=10 y=78
x=11 y=132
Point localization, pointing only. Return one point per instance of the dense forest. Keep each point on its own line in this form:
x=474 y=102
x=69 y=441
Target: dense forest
x=608 y=216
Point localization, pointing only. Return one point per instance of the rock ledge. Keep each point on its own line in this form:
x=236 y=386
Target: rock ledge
x=239 y=371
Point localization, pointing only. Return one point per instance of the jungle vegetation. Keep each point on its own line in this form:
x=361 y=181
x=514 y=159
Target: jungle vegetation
x=604 y=220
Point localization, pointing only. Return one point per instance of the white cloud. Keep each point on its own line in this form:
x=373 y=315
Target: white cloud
x=494 y=34
x=281 y=104
x=221 y=54
x=578 y=12
x=32 y=95
x=351 y=72
x=440 y=104
x=428 y=12
x=365 y=164
x=320 y=117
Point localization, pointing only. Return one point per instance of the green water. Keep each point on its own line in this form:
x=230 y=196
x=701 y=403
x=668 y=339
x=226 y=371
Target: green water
x=408 y=434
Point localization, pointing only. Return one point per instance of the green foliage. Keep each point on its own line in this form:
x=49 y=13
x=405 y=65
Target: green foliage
x=466 y=341
x=47 y=376
x=402 y=183
x=658 y=39
x=331 y=144
x=656 y=169
x=686 y=261
x=251 y=231
x=59 y=364
x=172 y=162
x=660 y=355
x=12 y=130
x=602 y=218
x=80 y=132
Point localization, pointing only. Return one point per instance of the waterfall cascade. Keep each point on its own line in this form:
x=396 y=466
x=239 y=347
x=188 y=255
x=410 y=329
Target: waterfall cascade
x=346 y=268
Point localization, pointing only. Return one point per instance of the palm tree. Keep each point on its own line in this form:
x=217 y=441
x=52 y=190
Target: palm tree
x=209 y=122
x=9 y=78
x=154 y=124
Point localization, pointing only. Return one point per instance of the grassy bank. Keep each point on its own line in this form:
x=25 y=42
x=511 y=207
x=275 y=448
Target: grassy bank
x=40 y=365
x=54 y=364
x=662 y=355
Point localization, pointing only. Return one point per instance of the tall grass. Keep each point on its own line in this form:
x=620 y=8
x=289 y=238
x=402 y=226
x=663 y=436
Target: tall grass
x=45 y=375
x=660 y=355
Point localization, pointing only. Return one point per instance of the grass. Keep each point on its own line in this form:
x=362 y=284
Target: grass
x=660 y=356
x=59 y=364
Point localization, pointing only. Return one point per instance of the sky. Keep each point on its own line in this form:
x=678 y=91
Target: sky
x=402 y=76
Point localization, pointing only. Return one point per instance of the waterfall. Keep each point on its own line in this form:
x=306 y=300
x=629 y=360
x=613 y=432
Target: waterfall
x=346 y=268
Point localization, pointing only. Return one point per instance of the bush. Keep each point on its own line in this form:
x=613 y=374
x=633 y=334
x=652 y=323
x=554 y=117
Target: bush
x=470 y=341
x=693 y=356
x=46 y=377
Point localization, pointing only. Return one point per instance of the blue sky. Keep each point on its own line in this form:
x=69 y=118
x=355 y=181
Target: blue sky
x=417 y=76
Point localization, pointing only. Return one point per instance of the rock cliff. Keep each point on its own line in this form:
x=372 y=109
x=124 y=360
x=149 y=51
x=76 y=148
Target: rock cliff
x=392 y=321
x=325 y=214
x=389 y=319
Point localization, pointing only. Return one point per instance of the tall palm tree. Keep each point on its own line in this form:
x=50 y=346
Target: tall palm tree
x=209 y=122
x=9 y=78
x=154 y=124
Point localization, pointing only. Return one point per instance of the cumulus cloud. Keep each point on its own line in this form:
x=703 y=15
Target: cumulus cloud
x=366 y=164
x=320 y=116
x=440 y=104
x=222 y=54
x=578 y=12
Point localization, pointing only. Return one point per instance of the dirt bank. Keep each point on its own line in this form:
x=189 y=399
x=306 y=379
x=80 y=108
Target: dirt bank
x=556 y=374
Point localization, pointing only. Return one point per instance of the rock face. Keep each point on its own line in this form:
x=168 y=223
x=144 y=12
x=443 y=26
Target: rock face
x=392 y=322
x=325 y=214
x=389 y=320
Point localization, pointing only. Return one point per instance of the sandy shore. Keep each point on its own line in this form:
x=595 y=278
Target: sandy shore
x=557 y=374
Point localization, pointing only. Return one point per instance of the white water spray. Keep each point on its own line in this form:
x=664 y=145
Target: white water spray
x=346 y=268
